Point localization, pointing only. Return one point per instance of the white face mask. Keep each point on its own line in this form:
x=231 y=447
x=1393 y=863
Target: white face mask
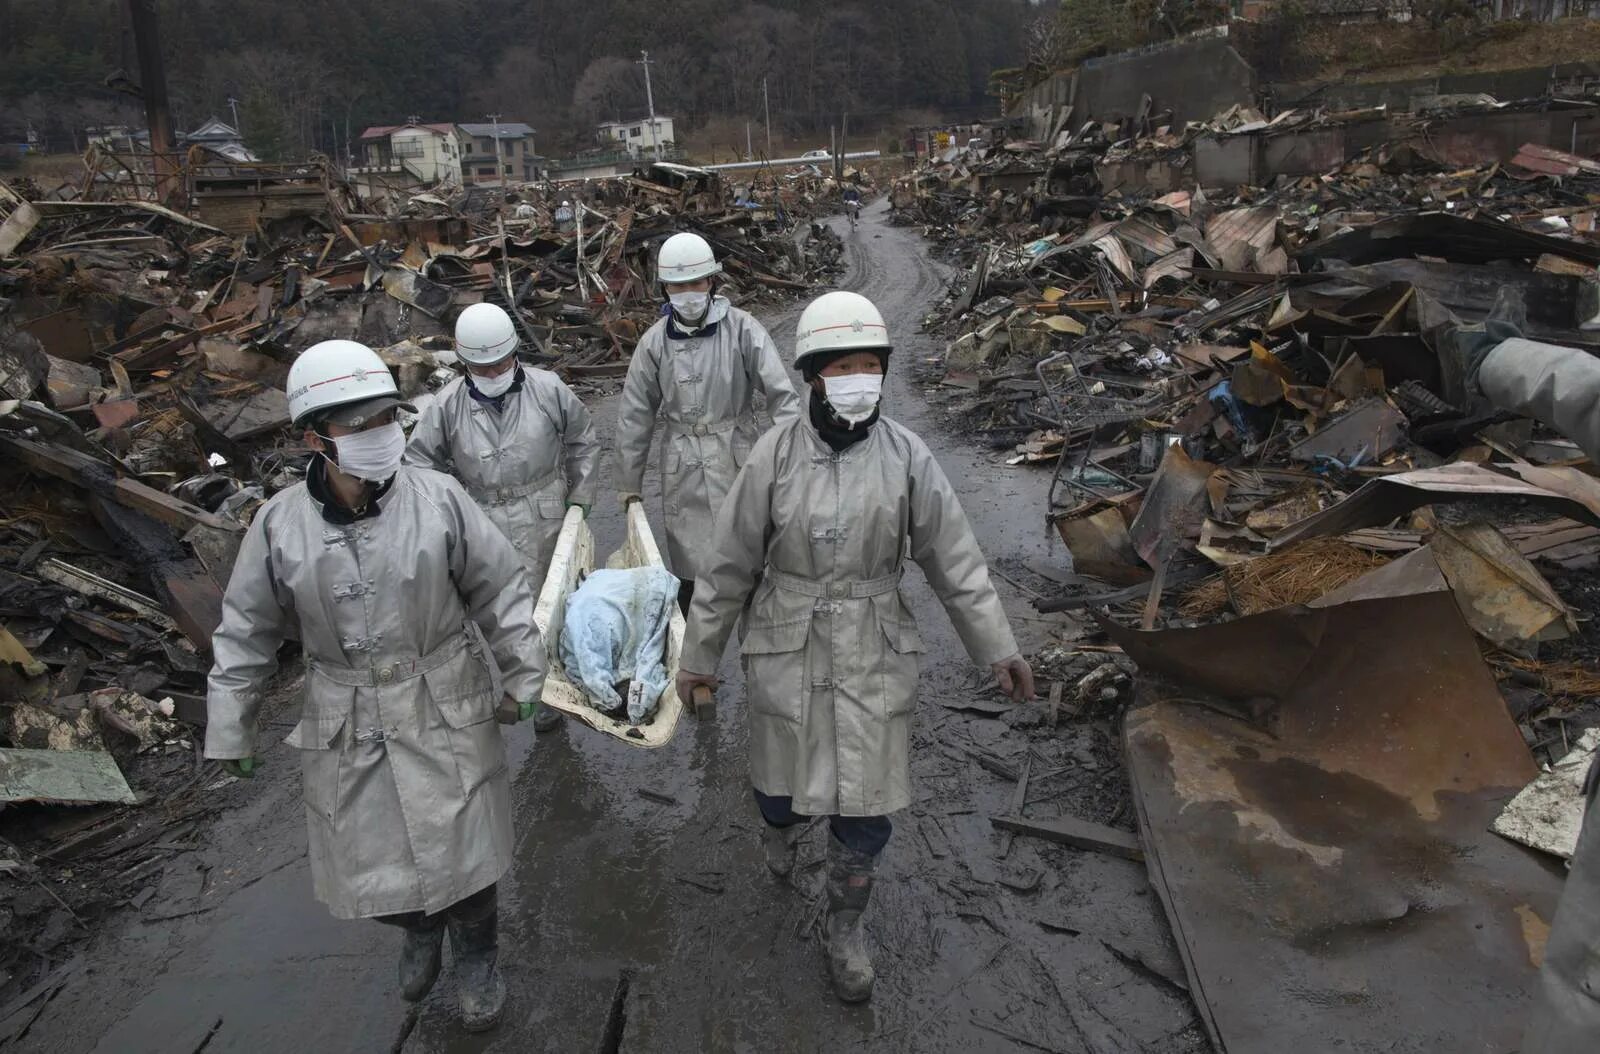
x=854 y=396
x=495 y=386
x=373 y=455
x=691 y=307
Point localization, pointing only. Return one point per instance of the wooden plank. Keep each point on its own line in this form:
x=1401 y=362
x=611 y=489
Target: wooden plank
x=84 y=471
x=1019 y=795
x=1079 y=834
x=17 y=226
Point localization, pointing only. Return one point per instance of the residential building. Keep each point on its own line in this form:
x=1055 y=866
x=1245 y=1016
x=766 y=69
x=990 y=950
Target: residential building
x=414 y=152
x=490 y=161
x=219 y=138
x=638 y=137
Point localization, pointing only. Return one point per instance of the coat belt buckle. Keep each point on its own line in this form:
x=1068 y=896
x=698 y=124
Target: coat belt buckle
x=373 y=735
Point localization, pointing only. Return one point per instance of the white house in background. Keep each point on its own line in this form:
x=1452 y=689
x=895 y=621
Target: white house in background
x=423 y=153
x=637 y=137
x=219 y=138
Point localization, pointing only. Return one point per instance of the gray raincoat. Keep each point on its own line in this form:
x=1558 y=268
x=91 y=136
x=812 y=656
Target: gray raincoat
x=407 y=793
x=830 y=648
x=701 y=387
x=522 y=463
x=1560 y=386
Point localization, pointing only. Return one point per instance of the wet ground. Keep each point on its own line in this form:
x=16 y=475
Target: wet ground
x=633 y=925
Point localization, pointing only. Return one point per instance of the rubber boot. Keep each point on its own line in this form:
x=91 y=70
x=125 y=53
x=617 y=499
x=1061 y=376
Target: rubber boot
x=849 y=890
x=420 y=955
x=781 y=845
x=473 y=940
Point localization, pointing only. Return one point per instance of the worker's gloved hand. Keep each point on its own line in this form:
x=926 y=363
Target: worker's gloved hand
x=241 y=768
x=579 y=505
x=510 y=711
x=687 y=681
x=1015 y=677
x=627 y=497
x=1462 y=347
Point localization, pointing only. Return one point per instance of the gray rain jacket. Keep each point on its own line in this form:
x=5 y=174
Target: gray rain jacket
x=407 y=794
x=701 y=387
x=522 y=463
x=830 y=648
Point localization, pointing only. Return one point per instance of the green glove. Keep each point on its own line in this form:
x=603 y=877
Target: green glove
x=241 y=768
x=579 y=505
x=525 y=710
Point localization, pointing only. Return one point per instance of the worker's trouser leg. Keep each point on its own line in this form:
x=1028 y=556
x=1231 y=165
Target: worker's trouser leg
x=866 y=835
x=1566 y=1013
x=685 y=594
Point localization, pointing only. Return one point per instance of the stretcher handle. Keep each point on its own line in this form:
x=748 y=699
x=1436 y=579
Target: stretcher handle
x=703 y=702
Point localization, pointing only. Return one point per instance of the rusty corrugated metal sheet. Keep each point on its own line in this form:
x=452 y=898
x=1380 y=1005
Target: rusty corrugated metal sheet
x=1319 y=833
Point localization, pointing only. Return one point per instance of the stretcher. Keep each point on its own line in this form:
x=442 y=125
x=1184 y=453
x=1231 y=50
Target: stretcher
x=573 y=559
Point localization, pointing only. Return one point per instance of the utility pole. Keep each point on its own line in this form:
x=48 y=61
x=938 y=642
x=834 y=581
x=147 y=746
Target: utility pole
x=747 y=150
x=650 y=101
x=153 y=88
x=499 y=170
x=233 y=104
x=766 y=106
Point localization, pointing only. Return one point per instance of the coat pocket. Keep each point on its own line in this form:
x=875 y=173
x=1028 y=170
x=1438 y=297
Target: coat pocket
x=901 y=666
x=742 y=442
x=324 y=714
x=775 y=663
x=462 y=690
x=552 y=509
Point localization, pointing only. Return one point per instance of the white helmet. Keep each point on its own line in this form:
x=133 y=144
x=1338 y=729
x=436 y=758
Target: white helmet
x=484 y=334
x=345 y=375
x=685 y=258
x=839 y=322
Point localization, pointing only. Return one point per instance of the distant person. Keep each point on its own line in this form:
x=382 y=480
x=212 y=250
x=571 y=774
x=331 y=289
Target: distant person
x=564 y=217
x=808 y=553
x=697 y=372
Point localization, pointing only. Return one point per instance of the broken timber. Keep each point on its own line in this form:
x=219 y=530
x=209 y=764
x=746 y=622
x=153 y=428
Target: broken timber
x=85 y=471
x=1077 y=833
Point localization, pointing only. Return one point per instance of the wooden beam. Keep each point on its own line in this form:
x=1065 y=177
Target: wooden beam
x=99 y=478
x=1080 y=835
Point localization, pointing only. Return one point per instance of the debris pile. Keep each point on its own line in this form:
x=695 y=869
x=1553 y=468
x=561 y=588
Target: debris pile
x=1318 y=547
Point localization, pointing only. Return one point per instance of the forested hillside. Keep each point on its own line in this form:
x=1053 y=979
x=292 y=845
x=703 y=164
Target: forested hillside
x=301 y=69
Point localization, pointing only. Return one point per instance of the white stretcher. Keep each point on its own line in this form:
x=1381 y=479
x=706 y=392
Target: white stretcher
x=574 y=557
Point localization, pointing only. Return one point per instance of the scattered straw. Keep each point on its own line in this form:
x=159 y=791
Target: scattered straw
x=1297 y=575
x=1559 y=680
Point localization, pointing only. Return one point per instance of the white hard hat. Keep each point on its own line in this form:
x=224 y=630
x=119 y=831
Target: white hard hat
x=685 y=258
x=839 y=322
x=484 y=334
x=345 y=375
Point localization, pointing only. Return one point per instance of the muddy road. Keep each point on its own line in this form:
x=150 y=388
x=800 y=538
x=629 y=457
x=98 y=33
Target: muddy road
x=634 y=925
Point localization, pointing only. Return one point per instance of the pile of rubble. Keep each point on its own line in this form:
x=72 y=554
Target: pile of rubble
x=1279 y=504
x=143 y=353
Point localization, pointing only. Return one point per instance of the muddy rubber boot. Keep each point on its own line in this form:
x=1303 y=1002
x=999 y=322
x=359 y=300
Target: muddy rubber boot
x=420 y=955
x=849 y=890
x=781 y=845
x=481 y=991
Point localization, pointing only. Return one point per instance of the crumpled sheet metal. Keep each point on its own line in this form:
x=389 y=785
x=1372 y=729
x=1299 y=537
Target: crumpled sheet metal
x=1328 y=871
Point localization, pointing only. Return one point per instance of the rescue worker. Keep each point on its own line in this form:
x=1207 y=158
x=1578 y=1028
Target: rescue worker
x=565 y=218
x=518 y=439
x=1559 y=387
x=697 y=370
x=387 y=574
x=813 y=536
